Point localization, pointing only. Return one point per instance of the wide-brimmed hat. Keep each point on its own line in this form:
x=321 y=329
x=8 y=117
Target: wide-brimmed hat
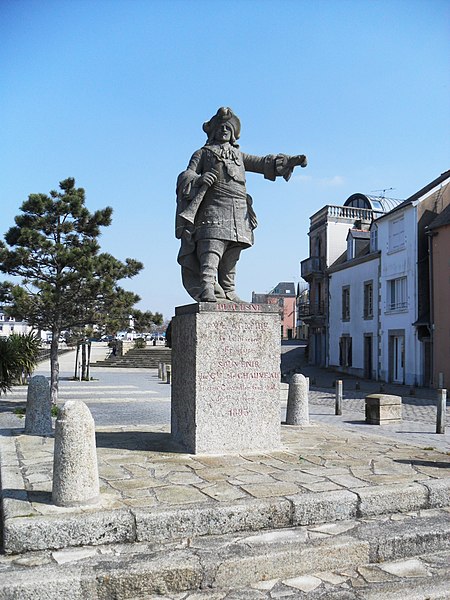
x=223 y=115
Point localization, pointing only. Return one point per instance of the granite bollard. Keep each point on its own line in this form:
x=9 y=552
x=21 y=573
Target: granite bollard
x=75 y=469
x=38 y=417
x=297 y=406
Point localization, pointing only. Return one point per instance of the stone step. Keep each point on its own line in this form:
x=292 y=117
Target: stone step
x=138 y=358
x=208 y=567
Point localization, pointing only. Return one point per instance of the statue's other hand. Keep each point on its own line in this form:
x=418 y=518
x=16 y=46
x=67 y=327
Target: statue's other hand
x=209 y=178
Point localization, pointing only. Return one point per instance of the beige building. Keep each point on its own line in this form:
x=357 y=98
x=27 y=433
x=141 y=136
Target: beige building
x=439 y=252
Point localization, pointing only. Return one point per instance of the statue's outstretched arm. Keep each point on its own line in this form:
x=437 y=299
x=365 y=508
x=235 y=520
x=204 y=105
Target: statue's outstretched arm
x=273 y=166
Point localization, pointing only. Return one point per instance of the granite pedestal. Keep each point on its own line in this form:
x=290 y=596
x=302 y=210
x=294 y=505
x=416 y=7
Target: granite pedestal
x=226 y=377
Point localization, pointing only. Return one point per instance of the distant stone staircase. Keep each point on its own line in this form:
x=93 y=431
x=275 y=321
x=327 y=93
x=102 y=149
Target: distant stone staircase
x=138 y=358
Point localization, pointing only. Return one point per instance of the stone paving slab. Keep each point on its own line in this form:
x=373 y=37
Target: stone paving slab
x=151 y=490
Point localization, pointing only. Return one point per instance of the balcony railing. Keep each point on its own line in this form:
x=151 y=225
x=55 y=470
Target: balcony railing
x=342 y=213
x=312 y=265
x=311 y=309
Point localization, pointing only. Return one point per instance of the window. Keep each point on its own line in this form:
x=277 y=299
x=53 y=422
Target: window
x=397 y=298
x=368 y=300
x=374 y=238
x=345 y=351
x=350 y=248
x=396 y=234
x=346 y=303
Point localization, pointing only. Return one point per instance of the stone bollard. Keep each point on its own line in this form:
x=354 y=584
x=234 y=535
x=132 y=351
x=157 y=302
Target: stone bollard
x=75 y=470
x=441 y=411
x=338 y=402
x=163 y=372
x=297 y=405
x=160 y=370
x=383 y=409
x=168 y=373
x=38 y=415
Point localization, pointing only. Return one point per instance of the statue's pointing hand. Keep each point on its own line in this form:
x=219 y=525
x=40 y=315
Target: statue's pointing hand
x=286 y=164
x=297 y=161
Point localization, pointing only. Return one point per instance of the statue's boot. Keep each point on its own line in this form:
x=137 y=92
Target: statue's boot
x=227 y=274
x=233 y=297
x=207 y=294
x=209 y=262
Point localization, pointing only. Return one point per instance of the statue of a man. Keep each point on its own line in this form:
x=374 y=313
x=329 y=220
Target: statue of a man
x=215 y=218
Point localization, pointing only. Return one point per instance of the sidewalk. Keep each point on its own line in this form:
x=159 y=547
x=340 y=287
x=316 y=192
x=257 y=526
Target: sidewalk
x=418 y=424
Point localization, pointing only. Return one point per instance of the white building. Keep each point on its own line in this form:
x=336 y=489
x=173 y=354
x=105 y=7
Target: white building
x=353 y=308
x=405 y=336
x=9 y=325
x=379 y=302
x=327 y=241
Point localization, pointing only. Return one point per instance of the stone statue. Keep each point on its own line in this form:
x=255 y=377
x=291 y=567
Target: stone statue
x=215 y=217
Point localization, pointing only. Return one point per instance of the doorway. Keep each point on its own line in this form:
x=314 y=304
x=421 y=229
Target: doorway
x=397 y=357
x=368 y=356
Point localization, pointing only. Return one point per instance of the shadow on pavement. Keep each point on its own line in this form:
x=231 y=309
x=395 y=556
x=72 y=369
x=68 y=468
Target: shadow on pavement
x=424 y=463
x=149 y=441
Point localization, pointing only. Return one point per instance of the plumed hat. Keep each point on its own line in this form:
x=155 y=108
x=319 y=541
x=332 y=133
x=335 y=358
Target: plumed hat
x=223 y=115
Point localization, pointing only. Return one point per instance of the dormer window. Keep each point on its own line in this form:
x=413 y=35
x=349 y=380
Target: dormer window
x=350 y=247
x=374 y=238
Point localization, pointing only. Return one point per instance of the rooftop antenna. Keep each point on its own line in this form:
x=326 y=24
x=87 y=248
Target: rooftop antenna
x=383 y=191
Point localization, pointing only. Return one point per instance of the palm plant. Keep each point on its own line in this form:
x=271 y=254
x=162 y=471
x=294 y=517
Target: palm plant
x=18 y=358
x=8 y=365
x=25 y=348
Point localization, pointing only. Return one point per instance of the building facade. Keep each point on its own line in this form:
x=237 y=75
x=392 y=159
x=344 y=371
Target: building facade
x=354 y=308
x=284 y=296
x=439 y=252
x=406 y=328
x=9 y=325
x=328 y=232
x=388 y=293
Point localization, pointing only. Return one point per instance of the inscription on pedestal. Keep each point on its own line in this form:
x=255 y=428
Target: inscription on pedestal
x=226 y=375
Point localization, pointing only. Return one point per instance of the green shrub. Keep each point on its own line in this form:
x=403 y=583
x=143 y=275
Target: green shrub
x=8 y=365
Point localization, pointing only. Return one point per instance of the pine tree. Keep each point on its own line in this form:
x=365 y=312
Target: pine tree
x=66 y=281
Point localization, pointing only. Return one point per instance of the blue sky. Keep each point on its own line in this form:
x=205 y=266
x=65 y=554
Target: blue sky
x=114 y=93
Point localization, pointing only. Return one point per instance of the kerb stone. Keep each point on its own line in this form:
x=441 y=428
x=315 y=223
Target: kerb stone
x=226 y=377
x=309 y=509
x=38 y=417
x=221 y=518
x=75 y=470
x=384 y=499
